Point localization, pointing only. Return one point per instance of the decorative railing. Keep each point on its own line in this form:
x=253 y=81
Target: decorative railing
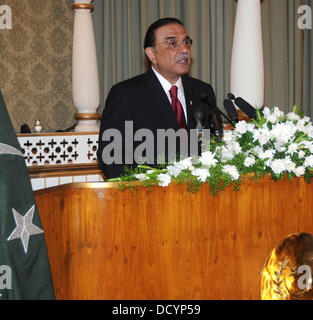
x=59 y=148
x=54 y=159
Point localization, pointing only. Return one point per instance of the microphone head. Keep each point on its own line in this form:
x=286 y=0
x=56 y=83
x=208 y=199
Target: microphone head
x=231 y=110
x=231 y=96
x=199 y=116
x=216 y=125
x=246 y=107
x=198 y=113
x=204 y=97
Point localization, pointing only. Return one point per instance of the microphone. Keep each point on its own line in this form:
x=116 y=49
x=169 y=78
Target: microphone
x=205 y=98
x=198 y=114
x=216 y=124
x=215 y=119
x=230 y=96
x=244 y=106
x=231 y=110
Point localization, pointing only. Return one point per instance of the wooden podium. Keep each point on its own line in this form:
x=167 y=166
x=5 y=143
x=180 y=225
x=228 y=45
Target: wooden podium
x=166 y=243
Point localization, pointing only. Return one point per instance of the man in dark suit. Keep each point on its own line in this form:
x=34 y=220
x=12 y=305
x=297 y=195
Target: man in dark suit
x=161 y=98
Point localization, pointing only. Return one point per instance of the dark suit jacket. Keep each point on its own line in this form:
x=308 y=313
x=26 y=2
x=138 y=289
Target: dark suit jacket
x=142 y=100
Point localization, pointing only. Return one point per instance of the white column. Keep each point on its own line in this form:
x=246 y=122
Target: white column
x=85 y=78
x=247 y=66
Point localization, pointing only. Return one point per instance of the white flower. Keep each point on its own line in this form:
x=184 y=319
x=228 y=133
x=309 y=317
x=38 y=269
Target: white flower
x=184 y=164
x=164 y=179
x=229 y=151
x=262 y=135
x=207 y=159
x=290 y=166
x=249 y=161
x=219 y=150
x=283 y=132
x=264 y=138
x=268 y=154
x=306 y=119
x=301 y=154
x=266 y=112
x=272 y=118
x=278 y=166
x=232 y=171
x=241 y=127
x=279 y=146
x=308 y=144
x=293 y=116
x=309 y=131
x=201 y=174
x=227 y=154
x=293 y=148
x=228 y=136
x=174 y=170
x=258 y=150
x=309 y=161
x=236 y=147
x=250 y=127
x=141 y=177
x=278 y=113
x=301 y=126
x=300 y=171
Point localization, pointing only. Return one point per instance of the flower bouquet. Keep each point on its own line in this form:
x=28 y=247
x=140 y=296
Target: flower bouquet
x=274 y=143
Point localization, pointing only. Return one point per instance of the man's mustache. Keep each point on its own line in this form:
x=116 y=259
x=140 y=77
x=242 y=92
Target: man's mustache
x=183 y=56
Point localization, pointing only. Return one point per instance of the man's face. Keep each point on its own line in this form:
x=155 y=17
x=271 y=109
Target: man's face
x=169 y=61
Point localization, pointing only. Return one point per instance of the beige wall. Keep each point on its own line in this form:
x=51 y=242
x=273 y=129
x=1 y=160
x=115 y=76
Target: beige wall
x=36 y=55
x=36 y=61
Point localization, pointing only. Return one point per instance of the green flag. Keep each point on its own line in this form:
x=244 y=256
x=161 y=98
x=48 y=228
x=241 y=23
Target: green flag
x=24 y=265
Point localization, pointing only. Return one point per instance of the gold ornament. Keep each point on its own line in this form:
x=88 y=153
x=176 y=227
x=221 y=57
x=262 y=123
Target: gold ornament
x=287 y=273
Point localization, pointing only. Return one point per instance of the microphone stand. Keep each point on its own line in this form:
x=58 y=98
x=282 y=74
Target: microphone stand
x=205 y=99
x=216 y=109
x=199 y=115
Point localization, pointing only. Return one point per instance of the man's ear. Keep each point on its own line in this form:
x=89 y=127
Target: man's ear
x=150 y=52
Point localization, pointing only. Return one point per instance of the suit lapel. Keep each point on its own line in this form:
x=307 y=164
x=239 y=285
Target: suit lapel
x=189 y=101
x=157 y=94
x=154 y=86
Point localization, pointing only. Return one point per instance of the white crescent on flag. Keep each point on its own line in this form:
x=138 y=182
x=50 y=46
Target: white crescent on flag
x=6 y=149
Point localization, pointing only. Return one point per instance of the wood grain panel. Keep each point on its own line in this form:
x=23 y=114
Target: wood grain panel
x=166 y=243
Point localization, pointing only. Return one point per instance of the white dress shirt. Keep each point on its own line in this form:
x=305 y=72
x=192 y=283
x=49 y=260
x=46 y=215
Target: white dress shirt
x=166 y=85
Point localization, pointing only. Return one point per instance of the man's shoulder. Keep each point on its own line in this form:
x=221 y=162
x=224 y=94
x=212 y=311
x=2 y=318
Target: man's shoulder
x=131 y=83
x=188 y=80
x=195 y=88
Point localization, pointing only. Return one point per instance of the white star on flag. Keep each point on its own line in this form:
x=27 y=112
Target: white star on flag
x=24 y=227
